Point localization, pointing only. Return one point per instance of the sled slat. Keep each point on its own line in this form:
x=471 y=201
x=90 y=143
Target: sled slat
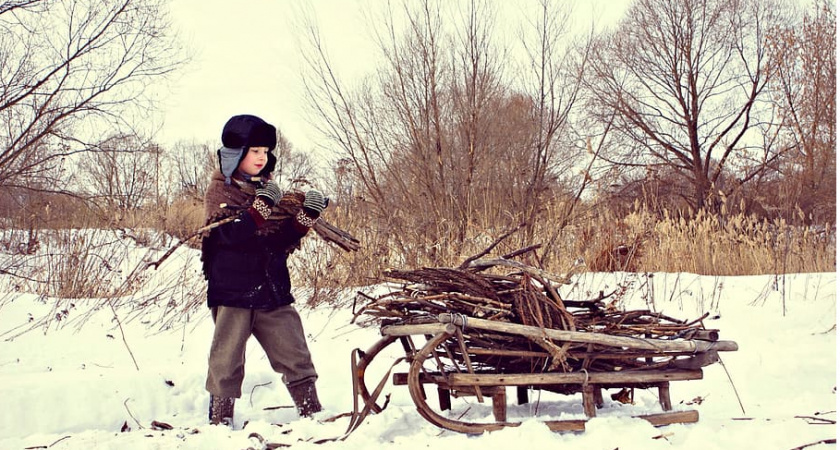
x=601 y=378
x=656 y=420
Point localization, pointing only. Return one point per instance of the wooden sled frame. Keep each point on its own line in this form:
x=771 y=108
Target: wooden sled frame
x=697 y=353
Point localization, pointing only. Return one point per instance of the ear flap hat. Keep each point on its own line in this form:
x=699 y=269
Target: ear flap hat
x=240 y=133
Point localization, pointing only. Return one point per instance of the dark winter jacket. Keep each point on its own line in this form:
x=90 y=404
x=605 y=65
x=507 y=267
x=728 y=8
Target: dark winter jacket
x=248 y=270
x=245 y=264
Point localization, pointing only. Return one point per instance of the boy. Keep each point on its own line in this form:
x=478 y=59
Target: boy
x=245 y=264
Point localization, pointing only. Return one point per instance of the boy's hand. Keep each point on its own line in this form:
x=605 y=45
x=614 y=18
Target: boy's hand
x=270 y=193
x=314 y=203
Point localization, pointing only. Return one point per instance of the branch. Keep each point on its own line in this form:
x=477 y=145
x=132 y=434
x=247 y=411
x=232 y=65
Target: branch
x=122 y=333
x=17 y=4
x=196 y=233
x=125 y=403
x=487 y=250
x=823 y=441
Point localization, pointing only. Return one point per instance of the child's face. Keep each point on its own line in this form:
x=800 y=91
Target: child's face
x=254 y=160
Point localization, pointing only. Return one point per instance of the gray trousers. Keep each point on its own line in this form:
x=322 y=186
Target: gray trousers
x=278 y=331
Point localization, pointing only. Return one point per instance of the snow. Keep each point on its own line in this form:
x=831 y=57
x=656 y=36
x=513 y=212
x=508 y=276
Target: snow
x=73 y=383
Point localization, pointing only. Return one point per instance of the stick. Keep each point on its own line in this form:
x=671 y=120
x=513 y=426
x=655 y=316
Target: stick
x=487 y=250
x=324 y=229
x=485 y=263
x=198 y=232
x=339 y=237
x=122 y=333
x=819 y=420
x=732 y=384
x=56 y=442
x=823 y=441
x=516 y=253
x=130 y=414
x=251 y=398
x=47 y=446
x=586 y=337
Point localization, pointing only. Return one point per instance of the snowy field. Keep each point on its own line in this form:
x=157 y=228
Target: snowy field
x=84 y=382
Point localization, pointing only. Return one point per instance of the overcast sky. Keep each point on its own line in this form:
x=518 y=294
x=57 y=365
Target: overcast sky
x=246 y=61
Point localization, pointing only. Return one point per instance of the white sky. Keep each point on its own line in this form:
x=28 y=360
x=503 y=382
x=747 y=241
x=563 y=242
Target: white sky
x=246 y=62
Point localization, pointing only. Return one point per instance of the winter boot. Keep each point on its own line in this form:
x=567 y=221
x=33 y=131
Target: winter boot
x=221 y=410
x=306 y=398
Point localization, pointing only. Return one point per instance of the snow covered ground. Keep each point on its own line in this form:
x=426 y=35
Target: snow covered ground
x=76 y=385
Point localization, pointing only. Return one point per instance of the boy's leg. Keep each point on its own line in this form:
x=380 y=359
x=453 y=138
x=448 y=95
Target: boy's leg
x=226 y=368
x=280 y=333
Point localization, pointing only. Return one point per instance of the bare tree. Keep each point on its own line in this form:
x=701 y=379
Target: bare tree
x=122 y=173
x=683 y=80
x=553 y=78
x=805 y=90
x=190 y=164
x=439 y=144
x=72 y=71
x=417 y=136
x=295 y=169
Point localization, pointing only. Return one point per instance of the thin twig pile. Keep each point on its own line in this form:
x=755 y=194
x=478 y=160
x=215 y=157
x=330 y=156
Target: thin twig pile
x=520 y=294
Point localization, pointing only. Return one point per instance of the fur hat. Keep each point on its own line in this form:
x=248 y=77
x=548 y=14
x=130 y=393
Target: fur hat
x=245 y=131
x=240 y=133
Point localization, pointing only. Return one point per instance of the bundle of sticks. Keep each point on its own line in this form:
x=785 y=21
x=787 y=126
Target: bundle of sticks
x=291 y=202
x=508 y=291
x=287 y=207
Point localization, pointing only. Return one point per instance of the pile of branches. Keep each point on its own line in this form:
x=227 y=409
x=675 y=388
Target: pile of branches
x=506 y=290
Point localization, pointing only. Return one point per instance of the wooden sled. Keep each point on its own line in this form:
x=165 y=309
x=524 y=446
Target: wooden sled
x=465 y=356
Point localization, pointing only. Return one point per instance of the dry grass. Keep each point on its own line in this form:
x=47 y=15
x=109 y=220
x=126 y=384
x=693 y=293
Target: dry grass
x=638 y=242
x=732 y=245
x=68 y=264
x=181 y=218
x=81 y=271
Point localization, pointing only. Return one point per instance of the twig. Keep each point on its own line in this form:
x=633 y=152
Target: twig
x=465 y=412
x=6 y=272
x=732 y=384
x=122 y=333
x=125 y=403
x=833 y=328
x=818 y=419
x=56 y=442
x=265 y=444
x=823 y=441
x=516 y=253
x=251 y=397
x=160 y=425
x=487 y=250
x=196 y=233
x=485 y=263
x=336 y=417
x=47 y=446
